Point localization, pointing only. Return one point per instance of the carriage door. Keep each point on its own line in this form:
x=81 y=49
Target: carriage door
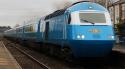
x=47 y=31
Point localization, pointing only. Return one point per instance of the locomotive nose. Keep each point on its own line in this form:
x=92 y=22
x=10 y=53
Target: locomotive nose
x=91 y=41
x=91 y=33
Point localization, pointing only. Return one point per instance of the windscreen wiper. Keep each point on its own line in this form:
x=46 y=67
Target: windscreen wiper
x=87 y=21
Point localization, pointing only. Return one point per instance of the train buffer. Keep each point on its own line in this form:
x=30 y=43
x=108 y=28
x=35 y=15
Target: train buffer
x=6 y=59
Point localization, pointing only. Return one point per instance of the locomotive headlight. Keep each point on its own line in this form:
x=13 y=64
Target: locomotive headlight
x=111 y=37
x=80 y=36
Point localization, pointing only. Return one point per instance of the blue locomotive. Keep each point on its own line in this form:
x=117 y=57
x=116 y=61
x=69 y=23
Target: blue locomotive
x=82 y=30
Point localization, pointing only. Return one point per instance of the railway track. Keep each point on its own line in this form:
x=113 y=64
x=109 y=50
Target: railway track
x=32 y=58
x=116 y=60
x=42 y=60
x=26 y=58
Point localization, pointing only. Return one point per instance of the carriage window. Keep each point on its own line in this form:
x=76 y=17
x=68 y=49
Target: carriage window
x=92 y=17
x=29 y=28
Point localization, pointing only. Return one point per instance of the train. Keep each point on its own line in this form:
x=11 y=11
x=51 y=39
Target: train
x=82 y=30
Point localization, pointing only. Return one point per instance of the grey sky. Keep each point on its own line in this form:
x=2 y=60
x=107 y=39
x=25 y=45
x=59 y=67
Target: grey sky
x=14 y=12
x=17 y=11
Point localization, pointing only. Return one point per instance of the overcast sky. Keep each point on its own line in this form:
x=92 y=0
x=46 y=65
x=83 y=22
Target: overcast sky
x=14 y=12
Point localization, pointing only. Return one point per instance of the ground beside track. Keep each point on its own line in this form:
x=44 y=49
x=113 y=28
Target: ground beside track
x=115 y=61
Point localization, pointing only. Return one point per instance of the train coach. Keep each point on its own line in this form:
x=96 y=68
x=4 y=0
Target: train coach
x=82 y=30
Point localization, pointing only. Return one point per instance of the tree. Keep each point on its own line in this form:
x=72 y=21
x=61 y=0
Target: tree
x=17 y=25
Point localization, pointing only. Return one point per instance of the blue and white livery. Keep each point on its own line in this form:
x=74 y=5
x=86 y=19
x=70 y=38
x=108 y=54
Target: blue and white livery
x=82 y=30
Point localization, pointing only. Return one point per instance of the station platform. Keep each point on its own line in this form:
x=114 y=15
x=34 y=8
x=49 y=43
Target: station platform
x=120 y=48
x=6 y=59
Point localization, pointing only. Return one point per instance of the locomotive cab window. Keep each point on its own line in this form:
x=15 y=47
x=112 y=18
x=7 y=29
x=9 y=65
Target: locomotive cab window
x=92 y=17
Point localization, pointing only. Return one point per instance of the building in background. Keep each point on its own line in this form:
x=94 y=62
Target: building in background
x=123 y=11
x=117 y=11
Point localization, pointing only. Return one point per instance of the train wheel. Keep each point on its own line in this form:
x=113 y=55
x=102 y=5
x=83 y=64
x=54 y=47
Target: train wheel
x=67 y=54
